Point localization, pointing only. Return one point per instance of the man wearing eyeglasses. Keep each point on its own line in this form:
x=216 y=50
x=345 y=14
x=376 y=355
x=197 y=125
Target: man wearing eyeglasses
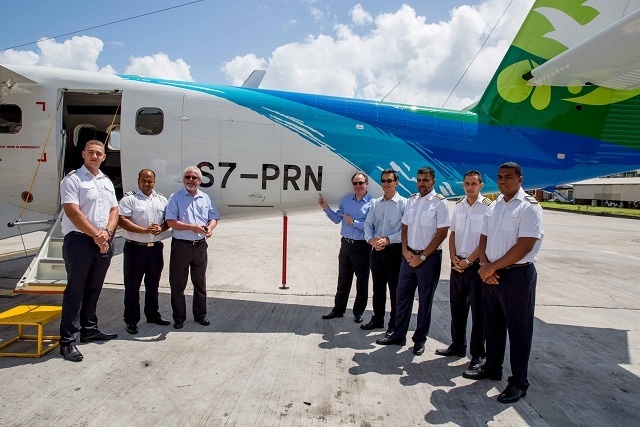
x=192 y=215
x=354 y=249
x=90 y=218
x=424 y=227
x=382 y=230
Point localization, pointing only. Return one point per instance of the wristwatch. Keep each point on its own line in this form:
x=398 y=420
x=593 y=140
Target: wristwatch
x=468 y=262
x=423 y=257
x=109 y=232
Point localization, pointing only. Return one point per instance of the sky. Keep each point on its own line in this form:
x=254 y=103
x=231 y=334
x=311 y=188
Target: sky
x=347 y=48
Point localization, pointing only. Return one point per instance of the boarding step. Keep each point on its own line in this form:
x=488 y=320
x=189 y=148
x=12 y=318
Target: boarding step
x=55 y=247
x=24 y=316
x=51 y=269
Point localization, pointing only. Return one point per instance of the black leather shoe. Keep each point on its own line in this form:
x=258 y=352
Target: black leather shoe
x=388 y=333
x=96 y=335
x=418 y=349
x=451 y=352
x=132 y=329
x=70 y=352
x=332 y=315
x=511 y=394
x=357 y=318
x=476 y=363
x=389 y=340
x=204 y=321
x=159 y=321
x=481 y=374
x=178 y=325
x=372 y=325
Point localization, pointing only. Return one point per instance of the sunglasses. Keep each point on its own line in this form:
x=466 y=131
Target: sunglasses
x=191 y=177
x=359 y=183
x=387 y=181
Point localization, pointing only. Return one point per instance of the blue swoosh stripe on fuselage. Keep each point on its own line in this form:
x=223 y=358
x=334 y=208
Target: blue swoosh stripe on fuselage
x=407 y=140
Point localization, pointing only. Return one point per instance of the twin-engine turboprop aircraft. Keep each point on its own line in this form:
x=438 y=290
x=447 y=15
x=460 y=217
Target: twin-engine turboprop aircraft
x=563 y=103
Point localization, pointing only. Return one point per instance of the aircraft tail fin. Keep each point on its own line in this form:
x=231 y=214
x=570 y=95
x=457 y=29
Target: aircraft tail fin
x=254 y=79
x=516 y=97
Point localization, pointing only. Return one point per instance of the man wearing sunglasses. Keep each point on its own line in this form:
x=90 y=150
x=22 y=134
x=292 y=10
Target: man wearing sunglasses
x=354 y=249
x=424 y=227
x=192 y=215
x=382 y=231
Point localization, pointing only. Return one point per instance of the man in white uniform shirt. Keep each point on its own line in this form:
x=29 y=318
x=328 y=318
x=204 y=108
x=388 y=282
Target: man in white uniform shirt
x=511 y=236
x=90 y=218
x=465 y=286
x=142 y=218
x=424 y=227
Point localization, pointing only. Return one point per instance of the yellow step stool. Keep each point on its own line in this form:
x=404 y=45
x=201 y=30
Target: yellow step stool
x=31 y=315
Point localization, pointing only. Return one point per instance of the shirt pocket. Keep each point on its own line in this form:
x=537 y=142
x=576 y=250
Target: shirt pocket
x=460 y=221
x=476 y=222
x=510 y=222
x=428 y=218
x=87 y=191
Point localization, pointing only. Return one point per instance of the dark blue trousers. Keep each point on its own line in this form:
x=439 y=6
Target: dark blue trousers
x=141 y=261
x=509 y=308
x=186 y=256
x=425 y=278
x=465 y=292
x=385 y=269
x=353 y=259
x=86 y=269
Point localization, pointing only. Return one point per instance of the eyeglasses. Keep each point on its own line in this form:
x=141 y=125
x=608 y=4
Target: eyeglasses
x=387 y=181
x=191 y=177
x=359 y=183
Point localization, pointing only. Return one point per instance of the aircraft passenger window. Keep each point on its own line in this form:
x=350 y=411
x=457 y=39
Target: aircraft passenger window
x=10 y=118
x=149 y=121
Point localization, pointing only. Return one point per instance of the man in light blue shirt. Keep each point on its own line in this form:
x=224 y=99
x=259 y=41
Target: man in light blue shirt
x=192 y=215
x=382 y=230
x=354 y=250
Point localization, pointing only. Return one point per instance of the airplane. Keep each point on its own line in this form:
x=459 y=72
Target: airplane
x=563 y=104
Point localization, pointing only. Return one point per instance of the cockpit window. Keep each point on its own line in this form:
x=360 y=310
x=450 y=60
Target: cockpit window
x=149 y=121
x=10 y=118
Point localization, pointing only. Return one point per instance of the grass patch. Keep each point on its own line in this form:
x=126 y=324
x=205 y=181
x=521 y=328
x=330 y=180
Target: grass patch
x=592 y=209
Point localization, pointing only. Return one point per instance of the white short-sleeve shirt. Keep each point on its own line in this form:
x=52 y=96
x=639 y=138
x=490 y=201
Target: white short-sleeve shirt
x=423 y=216
x=94 y=195
x=143 y=211
x=466 y=223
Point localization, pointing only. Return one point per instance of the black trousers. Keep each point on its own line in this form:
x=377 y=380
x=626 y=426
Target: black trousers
x=465 y=292
x=425 y=278
x=509 y=308
x=385 y=269
x=353 y=259
x=142 y=261
x=185 y=256
x=86 y=269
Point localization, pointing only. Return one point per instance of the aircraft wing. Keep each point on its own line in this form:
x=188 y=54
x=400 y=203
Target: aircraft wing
x=254 y=79
x=11 y=77
x=610 y=58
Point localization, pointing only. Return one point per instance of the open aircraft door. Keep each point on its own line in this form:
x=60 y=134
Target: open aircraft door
x=151 y=138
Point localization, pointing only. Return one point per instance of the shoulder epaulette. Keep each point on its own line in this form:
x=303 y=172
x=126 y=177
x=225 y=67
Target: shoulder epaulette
x=160 y=194
x=459 y=200
x=129 y=193
x=487 y=201
x=71 y=172
x=414 y=194
x=439 y=196
x=532 y=200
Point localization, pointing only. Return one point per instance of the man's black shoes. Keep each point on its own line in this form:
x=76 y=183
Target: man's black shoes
x=390 y=340
x=159 y=321
x=70 y=352
x=332 y=315
x=178 y=325
x=418 y=349
x=357 y=318
x=451 y=352
x=132 y=329
x=372 y=325
x=476 y=363
x=204 y=321
x=95 y=335
x=511 y=394
x=481 y=374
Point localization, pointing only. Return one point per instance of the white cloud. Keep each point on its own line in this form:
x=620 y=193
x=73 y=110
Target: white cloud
x=359 y=16
x=159 y=66
x=426 y=58
x=241 y=66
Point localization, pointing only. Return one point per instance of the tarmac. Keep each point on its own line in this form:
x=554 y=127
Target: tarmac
x=268 y=358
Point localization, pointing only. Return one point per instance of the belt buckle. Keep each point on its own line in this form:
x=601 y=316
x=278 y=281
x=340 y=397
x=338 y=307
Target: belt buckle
x=150 y=244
